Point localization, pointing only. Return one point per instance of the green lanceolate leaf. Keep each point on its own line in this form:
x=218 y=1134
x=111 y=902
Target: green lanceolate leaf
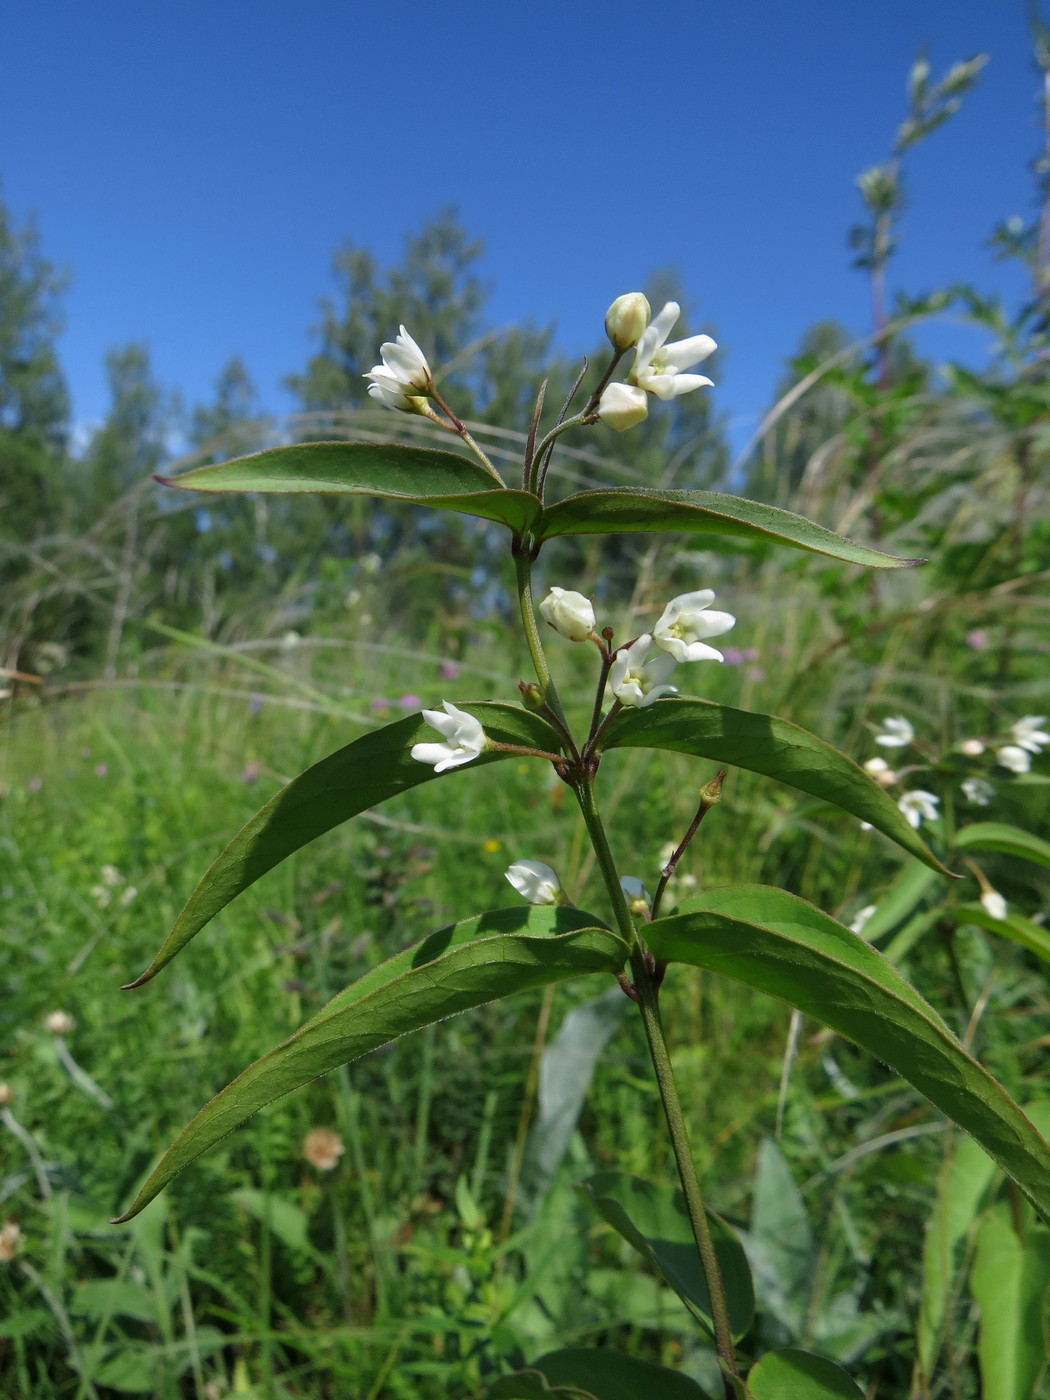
x=1015 y=927
x=766 y=744
x=799 y=1375
x=1010 y=840
x=779 y=944
x=910 y=886
x=439 y=978
x=422 y=476
x=353 y=779
x=964 y=1181
x=702 y=513
x=652 y=1217
x=1010 y=1280
x=612 y=1375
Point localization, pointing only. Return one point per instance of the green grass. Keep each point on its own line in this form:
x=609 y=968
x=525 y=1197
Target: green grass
x=259 y=1274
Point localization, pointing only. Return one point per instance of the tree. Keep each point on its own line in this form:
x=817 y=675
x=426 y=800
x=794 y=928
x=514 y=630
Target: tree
x=34 y=405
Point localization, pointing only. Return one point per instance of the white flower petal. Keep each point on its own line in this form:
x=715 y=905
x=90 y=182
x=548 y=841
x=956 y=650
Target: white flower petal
x=536 y=882
x=683 y=353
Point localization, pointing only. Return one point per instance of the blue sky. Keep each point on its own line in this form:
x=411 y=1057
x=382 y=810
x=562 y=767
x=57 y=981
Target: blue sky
x=194 y=164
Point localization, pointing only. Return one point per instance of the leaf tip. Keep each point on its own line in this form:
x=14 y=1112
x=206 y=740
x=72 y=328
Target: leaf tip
x=139 y=981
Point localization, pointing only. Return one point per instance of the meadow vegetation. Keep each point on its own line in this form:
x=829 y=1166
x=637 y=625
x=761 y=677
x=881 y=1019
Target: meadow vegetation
x=170 y=665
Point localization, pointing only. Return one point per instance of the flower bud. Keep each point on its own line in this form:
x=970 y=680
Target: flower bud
x=531 y=695
x=637 y=895
x=622 y=406
x=7 y=1095
x=59 y=1023
x=972 y=748
x=536 y=882
x=570 y=614
x=626 y=319
x=994 y=904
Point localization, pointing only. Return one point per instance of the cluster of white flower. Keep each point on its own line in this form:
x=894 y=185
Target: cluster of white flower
x=658 y=366
x=896 y=732
x=112 y=887
x=1026 y=737
x=464 y=736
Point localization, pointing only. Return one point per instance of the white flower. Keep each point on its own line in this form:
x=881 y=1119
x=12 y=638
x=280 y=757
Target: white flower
x=637 y=682
x=536 y=882
x=570 y=614
x=622 y=406
x=861 y=917
x=637 y=895
x=686 y=621
x=977 y=791
x=994 y=904
x=59 y=1022
x=881 y=771
x=919 y=805
x=466 y=738
x=626 y=319
x=1015 y=758
x=658 y=366
x=403 y=377
x=1027 y=734
x=972 y=748
x=897 y=733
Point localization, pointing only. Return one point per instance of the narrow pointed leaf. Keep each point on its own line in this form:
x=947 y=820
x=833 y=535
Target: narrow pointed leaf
x=613 y=1375
x=909 y=888
x=702 y=513
x=445 y=977
x=781 y=945
x=1015 y=927
x=775 y=747
x=1010 y=1280
x=1009 y=840
x=799 y=1375
x=652 y=1217
x=423 y=476
x=372 y=769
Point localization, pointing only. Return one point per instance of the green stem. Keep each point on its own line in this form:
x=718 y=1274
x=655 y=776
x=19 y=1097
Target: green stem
x=648 y=1005
x=523 y=569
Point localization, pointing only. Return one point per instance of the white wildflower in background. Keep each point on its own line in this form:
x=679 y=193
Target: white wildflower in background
x=622 y=406
x=536 y=882
x=658 y=366
x=881 y=771
x=1015 y=758
x=636 y=681
x=994 y=904
x=896 y=733
x=638 y=900
x=626 y=319
x=59 y=1023
x=570 y=614
x=7 y=1095
x=11 y=1238
x=1027 y=734
x=919 y=806
x=403 y=380
x=110 y=886
x=977 y=791
x=322 y=1148
x=686 y=622
x=861 y=917
x=465 y=738
x=972 y=748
